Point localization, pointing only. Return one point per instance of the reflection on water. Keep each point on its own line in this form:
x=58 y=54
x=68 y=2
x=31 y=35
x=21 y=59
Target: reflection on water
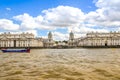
x=61 y=64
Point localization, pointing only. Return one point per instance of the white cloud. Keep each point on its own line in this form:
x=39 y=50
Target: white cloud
x=63 y=16
x=107 y=14
x=9 y=9
x=60 y=36
x=27 y=21
x=84 y=30
x=30 y=22
x=6 y=24
x=108 y=3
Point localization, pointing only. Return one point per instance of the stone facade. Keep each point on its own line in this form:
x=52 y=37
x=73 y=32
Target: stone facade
x=20 y=40
x=100 y=39
x=72 y=42
x=49 y=42
x=94 y=39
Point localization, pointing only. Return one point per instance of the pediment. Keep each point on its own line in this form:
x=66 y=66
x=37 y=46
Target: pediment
x=3 y=38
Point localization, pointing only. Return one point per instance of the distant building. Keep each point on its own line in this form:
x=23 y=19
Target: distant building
x=93 y=39
x=72 y=42
x=61 y=44
x=49 y=42
x=100 y=39
x=20 y=40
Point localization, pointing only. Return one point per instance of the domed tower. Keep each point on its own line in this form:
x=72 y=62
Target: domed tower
x=50 y=38
x=71 y=36
x=72 y=41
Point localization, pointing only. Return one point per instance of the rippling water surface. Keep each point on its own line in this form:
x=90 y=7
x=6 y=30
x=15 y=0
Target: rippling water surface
x=61 y=64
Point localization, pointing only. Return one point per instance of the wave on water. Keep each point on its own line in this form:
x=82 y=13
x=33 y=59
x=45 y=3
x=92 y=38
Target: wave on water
x=58 y=64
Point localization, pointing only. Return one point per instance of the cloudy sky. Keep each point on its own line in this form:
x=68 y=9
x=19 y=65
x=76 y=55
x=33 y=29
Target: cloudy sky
x=59 y=16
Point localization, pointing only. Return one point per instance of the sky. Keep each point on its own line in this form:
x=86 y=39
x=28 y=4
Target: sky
x=59 y=16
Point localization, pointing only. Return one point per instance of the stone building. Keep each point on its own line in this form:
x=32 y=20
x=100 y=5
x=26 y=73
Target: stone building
x=49 y=42
x=100 y=39
x=20 y=40
x=72 y=42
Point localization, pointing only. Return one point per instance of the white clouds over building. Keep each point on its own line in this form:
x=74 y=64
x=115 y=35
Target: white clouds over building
x=74 y=19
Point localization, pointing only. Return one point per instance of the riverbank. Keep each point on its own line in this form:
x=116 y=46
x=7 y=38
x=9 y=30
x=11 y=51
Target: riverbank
x=65 y=47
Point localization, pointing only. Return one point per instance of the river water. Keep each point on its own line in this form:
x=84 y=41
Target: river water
x=61 y=64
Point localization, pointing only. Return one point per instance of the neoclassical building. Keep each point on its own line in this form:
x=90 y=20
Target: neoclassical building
x=20 y=40
x=100 y=39
x=49 y=42
x=93 y=39
x=72 y=41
